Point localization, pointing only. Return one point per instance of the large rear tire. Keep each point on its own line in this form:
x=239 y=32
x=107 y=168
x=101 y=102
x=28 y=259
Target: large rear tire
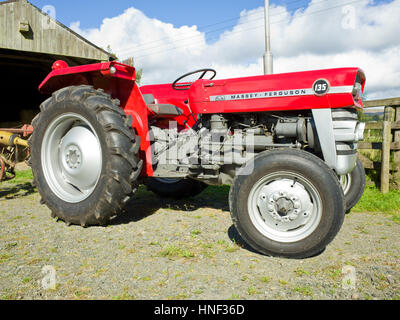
x=84 y=156
x=175 y=188
x=287 y=203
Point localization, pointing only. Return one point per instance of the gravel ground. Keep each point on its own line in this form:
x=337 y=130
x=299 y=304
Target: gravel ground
x=188 y=249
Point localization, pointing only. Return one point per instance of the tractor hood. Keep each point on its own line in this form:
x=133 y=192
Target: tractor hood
x=321 y=89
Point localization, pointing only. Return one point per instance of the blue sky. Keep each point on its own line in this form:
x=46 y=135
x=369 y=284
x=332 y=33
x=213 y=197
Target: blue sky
x=178 y=12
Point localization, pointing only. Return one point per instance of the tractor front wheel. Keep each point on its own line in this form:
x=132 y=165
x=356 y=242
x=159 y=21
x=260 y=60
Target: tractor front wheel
x=287 y=203
x=84 y=156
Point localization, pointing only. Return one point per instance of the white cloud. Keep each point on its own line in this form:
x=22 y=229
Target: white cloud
x=326 y=34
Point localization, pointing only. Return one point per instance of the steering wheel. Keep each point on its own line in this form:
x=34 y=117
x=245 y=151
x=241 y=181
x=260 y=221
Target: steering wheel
x=185 y=86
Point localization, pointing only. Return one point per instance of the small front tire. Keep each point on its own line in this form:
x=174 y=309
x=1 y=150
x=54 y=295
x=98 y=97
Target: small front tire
x=353 y=185
x=287 y=203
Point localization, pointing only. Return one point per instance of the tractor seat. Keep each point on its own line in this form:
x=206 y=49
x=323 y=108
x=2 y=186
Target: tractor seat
x=161 y=109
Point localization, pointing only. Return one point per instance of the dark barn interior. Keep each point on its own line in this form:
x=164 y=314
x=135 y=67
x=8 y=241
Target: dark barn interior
x=24 y=72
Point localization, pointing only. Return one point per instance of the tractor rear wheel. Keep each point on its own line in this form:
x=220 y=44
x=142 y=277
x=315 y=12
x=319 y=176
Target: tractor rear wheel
x=84 y=156
x=287 y=203
x=175 y=188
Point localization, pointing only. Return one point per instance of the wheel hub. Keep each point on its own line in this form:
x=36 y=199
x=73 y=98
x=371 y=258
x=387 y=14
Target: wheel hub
x=284 y=205
x=73 y=157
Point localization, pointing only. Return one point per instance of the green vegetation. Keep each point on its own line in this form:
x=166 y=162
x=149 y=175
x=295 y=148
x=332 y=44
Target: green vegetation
x=265 y=279
x=374 y=201
x=369 y=117
x=22 y=177
x=174 y=251
x=305 y=291
x=139 y=75
x=252 y=291
x=195 y=232
x=301 y=272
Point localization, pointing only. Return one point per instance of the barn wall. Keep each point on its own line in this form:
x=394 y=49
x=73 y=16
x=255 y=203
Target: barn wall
x=42 y=34
x=30 y=42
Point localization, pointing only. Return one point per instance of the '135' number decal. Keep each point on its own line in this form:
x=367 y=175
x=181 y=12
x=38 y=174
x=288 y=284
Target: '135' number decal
x=321 y=87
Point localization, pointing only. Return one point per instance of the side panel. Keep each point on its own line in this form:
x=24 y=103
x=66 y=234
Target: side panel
x=165 y=94
x=136 y=107
x=324 y=125
x=339 y=132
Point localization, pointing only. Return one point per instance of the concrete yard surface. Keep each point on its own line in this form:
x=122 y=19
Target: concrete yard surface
x=188 y=249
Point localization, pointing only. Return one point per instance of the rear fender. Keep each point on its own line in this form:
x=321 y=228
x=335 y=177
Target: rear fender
x=107 y=76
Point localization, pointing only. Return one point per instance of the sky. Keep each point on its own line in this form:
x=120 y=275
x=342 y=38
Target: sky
x=178 y=12
x=170 y=38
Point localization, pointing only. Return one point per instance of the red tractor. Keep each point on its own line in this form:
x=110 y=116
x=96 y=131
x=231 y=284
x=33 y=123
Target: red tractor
x=286 y=143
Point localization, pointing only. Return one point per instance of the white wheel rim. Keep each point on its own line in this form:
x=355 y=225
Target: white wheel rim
x=71 y=157
x=345 y=182
x=285 y=207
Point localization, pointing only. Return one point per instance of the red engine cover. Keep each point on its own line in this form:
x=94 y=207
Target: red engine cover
x=332 y=88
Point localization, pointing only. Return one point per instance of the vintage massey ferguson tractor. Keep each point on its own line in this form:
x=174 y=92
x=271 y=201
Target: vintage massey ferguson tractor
x=286 y=143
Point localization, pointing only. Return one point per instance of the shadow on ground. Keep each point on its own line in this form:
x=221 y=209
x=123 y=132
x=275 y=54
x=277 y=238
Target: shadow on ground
x=146 y=203
x=16 y=191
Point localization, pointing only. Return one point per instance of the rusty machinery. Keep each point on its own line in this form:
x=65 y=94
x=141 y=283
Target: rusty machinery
x=13 y=149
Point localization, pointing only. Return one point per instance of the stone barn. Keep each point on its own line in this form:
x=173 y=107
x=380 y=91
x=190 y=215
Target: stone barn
x=30 y=42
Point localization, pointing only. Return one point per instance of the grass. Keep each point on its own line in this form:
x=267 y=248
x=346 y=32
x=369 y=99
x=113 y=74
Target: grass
x=23 y=177
x=195 y=233
x=252 y=291
x=301 y=272
x=21 y=185
x=4 y=257
x=174 y=251
x=265 y=279
x=305 y=291
x=374 y=201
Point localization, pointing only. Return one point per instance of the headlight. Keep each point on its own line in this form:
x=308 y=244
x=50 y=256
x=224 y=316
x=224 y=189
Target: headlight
x=113 y=70
x=357 y=91
x=360 y=131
